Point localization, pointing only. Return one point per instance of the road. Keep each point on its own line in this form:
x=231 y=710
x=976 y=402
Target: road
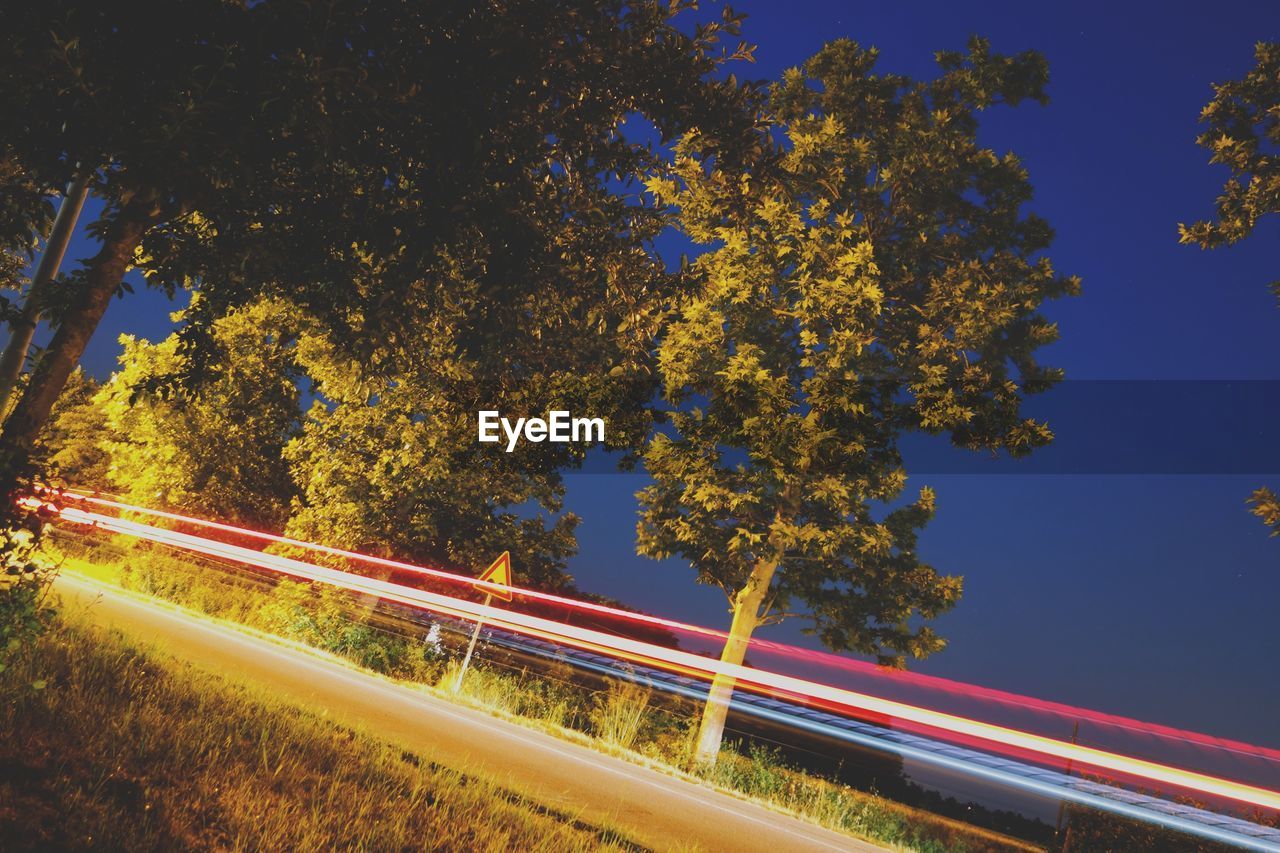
x=651 y=808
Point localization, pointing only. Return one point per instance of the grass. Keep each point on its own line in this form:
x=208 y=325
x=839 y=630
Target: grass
x=761 y=775
x=620 y=713
x=621 y=718
x=127 y=750
x=614 y=721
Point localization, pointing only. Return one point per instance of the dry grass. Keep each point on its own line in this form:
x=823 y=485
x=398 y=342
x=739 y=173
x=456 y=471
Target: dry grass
x=620 y=713
x=126 y=750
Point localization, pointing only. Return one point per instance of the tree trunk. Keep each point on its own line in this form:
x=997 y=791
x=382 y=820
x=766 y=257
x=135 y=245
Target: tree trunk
x=746 y=616
x=23 y=327
x=105 y=272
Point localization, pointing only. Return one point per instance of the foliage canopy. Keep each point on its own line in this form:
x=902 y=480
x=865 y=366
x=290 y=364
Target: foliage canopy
x=217 y=451
x=377 y=163
x=881 y=276
x=1242 y=132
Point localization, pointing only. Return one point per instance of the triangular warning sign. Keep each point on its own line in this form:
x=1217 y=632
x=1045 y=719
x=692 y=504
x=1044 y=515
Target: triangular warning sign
x=499 y=572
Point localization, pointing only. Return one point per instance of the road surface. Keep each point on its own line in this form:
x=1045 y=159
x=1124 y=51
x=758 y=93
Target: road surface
x=651 y=808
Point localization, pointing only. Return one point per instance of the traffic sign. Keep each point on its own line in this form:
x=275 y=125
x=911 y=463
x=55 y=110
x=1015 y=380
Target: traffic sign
x=499 y=572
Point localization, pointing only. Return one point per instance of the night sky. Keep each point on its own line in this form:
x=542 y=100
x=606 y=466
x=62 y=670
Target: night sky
x=1123 y=573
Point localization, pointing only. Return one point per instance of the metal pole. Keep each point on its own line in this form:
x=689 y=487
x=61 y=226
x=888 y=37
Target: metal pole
x=23 y=327
x=471 y=647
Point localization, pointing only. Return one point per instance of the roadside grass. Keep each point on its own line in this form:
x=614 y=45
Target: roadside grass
x=622 y=719
x=619 y=714
x=131 y=751
x=762 y=775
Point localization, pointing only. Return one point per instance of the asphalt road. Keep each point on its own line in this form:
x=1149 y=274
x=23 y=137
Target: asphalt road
x=651 y=808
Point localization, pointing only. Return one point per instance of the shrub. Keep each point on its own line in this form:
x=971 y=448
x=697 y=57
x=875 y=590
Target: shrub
x=318 y=616
x=25 y=608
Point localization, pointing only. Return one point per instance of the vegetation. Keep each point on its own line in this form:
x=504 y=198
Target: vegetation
x=1089 y=829
x=433 y=162
x=1242 y=130
x=444 y=206
x=881 y=277
x=218 y=451
x=1265 y=504
x=392 y=467
x=25 y=608
x=25 y=214
x=127 y=751
x=616 y=716
x=1243 y=134
x=73 y=446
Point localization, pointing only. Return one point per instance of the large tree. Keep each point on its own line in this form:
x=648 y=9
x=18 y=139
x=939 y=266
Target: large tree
x=399 y=473
x=880 y=275
x=219 y=448
x=332 y=153
x=71 y=449
x=392 y=462
x=1243 y=133
x=25 y=216
x=387 y=466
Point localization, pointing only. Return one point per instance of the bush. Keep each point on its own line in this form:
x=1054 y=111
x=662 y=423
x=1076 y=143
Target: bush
x=25 y=608
x=318 y=616
x=546 y=698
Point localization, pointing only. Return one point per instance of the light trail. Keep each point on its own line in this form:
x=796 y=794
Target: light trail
x=438 y=574
x=771 y=683
x=968 y=691
x=1049 y=783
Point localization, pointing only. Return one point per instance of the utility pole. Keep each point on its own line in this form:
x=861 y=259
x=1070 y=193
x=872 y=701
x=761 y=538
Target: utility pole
x=23 y=327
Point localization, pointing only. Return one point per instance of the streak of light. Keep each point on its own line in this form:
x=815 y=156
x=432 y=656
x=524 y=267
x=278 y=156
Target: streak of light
x=926 y=756
x=687 y=663
x=397 y=565
x=811 y=656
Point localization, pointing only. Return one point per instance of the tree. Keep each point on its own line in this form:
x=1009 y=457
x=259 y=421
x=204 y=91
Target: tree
x=391 y=462
x=217 y=449
x=1266 y=505
x=22 y=328
x=331 y=156
x=1243 y=133
x=71 y=448
x=879 y=277
x=25 y=214
x=400 y=474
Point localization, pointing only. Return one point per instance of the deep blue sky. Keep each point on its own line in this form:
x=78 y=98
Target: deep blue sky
x=1148 y=593
x=1153 y=595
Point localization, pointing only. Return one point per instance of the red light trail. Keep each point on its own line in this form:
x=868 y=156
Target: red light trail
x=764 y=681
x=807 y=655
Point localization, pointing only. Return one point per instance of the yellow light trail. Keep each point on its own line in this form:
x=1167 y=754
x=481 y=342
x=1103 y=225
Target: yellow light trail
x=690 y=664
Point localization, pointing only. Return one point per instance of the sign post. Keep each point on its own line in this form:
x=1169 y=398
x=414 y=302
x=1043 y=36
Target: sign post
x=499 y=572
